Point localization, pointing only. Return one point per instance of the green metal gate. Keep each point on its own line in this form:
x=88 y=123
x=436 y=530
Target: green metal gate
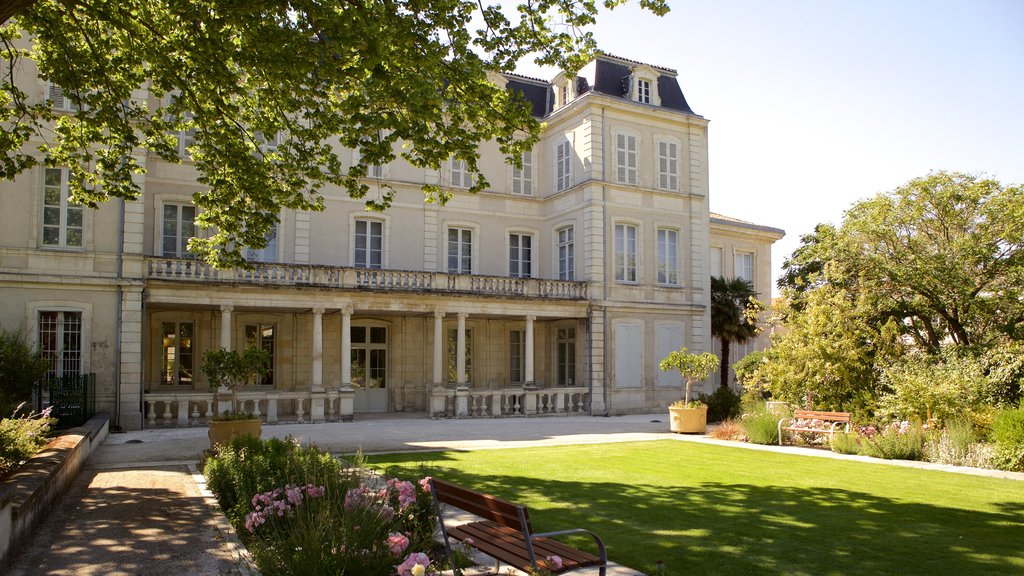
x=72 y=398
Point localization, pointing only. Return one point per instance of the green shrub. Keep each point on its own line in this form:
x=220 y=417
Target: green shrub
x=301 y=512
x=845 y=443
x=21 y=365
x=898 y=441
x=722 y=404
x=21 y=438
x=1008 y=434
x=761 y=426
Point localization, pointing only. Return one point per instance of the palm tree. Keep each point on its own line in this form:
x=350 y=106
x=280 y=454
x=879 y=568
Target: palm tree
x=733 y=308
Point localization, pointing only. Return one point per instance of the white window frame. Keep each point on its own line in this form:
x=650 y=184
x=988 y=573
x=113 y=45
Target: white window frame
x=175 y=372
x=517 y=356
x=522 y=178
x=458 y=172
x=643 y=90
x=374 y=171
x=181 y=243
x=368 y=251
x=740 y=268
x=668 y=256
x=64 y=209
x=565 y=252
x=627 y=157
x=563 y=165
x=58 y=99
x=627 y=252
x=462 y=267
x=34 y=307
x=60 y=353
x=520 y=256
x=668 y=164
x=269 y=253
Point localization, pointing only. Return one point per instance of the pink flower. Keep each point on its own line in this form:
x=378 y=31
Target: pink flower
x=425 y=484
x=397 y=543
x=555 y=562
x=411 y=562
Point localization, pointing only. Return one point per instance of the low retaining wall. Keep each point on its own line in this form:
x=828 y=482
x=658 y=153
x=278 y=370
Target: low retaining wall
x=28 y=495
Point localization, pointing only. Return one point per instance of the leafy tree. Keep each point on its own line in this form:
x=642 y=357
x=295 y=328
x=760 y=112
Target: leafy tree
x=692 y=367
x=320 y=75
x=21 y=365
x=827 y=355
x=733 y=316
x=944 y=257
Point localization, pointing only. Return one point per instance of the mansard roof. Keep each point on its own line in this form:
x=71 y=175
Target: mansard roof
x=607 y=74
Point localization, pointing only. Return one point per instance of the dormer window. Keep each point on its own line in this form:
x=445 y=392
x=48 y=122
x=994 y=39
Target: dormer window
x=643 y=91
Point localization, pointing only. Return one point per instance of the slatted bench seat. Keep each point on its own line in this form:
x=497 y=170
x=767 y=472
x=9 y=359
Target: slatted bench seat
x=834 y=419
x=506 y=534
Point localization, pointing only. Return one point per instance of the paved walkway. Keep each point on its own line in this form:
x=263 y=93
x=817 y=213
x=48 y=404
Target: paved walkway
x=139 y=506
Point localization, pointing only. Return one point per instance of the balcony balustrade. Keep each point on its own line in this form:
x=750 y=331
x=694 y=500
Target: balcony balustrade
x=272 y=274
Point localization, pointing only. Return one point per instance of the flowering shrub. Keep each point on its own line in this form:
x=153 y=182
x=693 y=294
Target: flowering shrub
x=328 y=519
x=761 y=425
x=900 y=440
x=22 y=437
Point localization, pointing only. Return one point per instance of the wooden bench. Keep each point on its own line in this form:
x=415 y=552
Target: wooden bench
x=505 y=533
x=834 y=419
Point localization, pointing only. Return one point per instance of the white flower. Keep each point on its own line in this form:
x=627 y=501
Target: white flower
x=419 y=570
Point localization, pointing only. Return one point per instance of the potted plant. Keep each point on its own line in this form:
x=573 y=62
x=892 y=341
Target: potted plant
x=228 y=370
x=686 y=416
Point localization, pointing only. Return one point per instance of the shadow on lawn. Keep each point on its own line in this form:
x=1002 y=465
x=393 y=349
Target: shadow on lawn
x=722 y=528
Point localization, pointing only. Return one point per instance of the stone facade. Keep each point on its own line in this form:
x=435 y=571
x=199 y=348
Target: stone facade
x=557 y=290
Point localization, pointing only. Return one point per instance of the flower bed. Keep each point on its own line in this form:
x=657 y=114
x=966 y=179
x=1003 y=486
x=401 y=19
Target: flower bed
x=310 y=514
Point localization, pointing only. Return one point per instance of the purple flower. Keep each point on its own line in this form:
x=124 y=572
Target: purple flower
x=412 y=561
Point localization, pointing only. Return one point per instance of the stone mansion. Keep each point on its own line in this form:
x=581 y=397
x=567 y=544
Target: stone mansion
x=556 y=291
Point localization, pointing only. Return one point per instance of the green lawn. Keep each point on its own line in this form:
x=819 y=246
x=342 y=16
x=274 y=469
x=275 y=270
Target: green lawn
x=720 y=510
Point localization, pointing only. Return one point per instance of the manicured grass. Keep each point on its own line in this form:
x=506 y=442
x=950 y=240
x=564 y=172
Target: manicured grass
x=720 y=510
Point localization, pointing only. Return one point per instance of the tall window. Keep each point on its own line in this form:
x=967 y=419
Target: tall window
x=565 y=93
x=668 y=265
x=520 y=255
x=178 y=227
x=177 y=359
x=715 y=266
x=369 y=356
x=563 y=166
x=460 y=251
x=517 y=356
x=453 y=360
x=668 y=165
x=643 y=91
x=269 y=252
x=369 y=244
x=745 y=266
x=186 y=136
x=566 y=357
x=460 y=174
x=522 y=178
x=62 y=220
x=625 y=253
x=262 y=336
x=566 y=256
x=625 y=158
x=60 y=338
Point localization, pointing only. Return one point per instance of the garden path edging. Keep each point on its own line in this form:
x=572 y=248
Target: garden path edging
x=29 y=494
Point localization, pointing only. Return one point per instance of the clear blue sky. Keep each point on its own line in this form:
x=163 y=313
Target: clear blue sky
x=814 y=105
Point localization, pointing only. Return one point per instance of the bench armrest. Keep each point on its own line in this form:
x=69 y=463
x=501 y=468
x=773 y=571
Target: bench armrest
x=600 y=543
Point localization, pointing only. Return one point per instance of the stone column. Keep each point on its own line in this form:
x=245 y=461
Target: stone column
x=225 y=326
x=529 y=380
x=318 y=396
x=438 y=349
x=346 y=348
x=460 y=352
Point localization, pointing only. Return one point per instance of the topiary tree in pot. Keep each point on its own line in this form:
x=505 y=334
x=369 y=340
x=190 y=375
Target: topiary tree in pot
x=686 y=415
x=229 y=370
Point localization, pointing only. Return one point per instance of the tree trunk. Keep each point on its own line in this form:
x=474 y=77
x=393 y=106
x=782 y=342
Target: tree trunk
x=12 y=7
x=723 y=367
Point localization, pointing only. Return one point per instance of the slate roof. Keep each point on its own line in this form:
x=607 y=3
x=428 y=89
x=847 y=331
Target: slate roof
x=611 y=77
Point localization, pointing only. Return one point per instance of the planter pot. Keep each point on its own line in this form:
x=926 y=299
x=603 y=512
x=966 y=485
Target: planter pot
x=688 y=420
x=222 y=431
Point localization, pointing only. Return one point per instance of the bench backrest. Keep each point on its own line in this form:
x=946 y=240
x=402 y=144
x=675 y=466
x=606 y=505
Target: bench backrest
x=489 y=507
x=817 y=415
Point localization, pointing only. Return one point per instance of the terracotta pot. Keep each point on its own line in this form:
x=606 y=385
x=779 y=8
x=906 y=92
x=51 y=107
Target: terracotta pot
x=688 y=420
x=222 y=431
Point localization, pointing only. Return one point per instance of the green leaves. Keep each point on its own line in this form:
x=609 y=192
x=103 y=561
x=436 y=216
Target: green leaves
x=326 y=75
